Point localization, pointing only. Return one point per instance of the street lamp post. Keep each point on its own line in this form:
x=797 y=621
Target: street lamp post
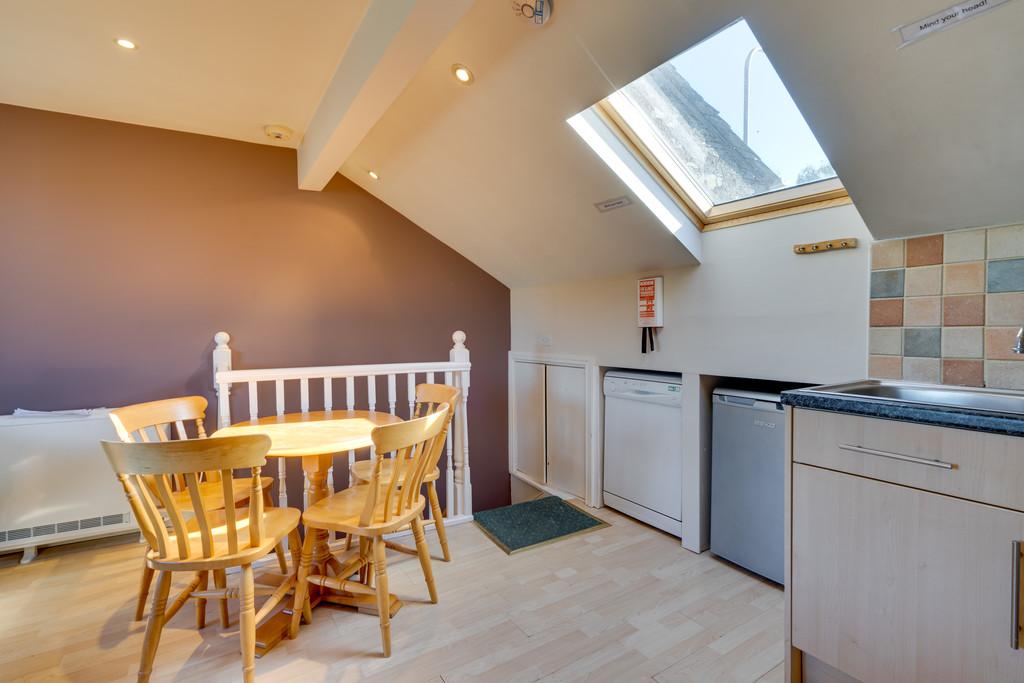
x=746 y=89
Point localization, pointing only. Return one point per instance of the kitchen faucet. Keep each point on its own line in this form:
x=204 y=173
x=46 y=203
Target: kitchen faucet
x=1019 y=346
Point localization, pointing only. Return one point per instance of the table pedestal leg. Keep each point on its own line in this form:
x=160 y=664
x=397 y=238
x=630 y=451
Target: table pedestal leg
x=275 y=628
x=323 y=560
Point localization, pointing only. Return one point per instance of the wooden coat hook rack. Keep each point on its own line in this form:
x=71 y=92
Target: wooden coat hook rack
x=830 y=245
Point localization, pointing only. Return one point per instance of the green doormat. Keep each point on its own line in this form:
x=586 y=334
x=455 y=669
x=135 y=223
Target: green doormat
x=536 y=522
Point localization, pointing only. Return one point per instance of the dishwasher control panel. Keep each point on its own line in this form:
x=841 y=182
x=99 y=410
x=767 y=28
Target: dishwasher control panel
x=639 y=386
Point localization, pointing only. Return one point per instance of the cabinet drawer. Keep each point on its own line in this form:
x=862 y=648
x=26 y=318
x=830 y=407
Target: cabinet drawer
x=988 y=468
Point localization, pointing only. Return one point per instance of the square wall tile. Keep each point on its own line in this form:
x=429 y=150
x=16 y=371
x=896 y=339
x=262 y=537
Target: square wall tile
x=922 y=342
x=965 y=373
x=946 y=308
x=885 y=367
x=923 y=281
x=922 y=311
x=1006 y=276
x=961 y=311
x=924 y=251
x=964 y=245
x=886 y=341
x=886 y=313
x=999 y=342
x=1004 y=374
x=922 y=369
x=1006 y=242
x=886 y=284
x=887 y=254
x=963 y=342
x=964 y=278
x=1005 y=309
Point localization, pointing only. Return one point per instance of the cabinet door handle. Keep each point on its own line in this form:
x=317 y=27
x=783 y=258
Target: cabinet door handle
x=897 y=456
x=1015 y=599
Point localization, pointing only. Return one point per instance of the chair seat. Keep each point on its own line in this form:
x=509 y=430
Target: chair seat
x=341 y=512
x=278 y=522
x=362 y=471
x=213 y=493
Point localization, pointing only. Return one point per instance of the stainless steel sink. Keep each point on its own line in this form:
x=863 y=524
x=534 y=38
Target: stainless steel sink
x=979 y=400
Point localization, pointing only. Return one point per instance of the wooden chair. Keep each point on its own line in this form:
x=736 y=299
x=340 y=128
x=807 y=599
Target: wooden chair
x=211 y=540
x=160 y=421
x=371 y=510
x=428 y=398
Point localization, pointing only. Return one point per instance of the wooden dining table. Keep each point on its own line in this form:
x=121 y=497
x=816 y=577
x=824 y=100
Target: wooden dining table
x=315 y=438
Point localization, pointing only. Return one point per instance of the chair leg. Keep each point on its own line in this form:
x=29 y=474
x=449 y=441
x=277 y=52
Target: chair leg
x=204 y=583
x=220 y=580
x=295 y=547
x=147 y=579
x=380 y=569
x=366 y=552
x=183 y=597
x=438 y=517
x=247 y=624
x=300 y=608
x=424 y=552
x=155 y=626
x=282 y=562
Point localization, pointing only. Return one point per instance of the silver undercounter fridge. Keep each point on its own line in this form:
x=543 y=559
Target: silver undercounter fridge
x=747 y=480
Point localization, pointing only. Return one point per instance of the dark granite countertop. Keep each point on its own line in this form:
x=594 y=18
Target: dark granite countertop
x=891 y=409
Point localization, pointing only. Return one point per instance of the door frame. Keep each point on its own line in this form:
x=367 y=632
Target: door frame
x=592 y=414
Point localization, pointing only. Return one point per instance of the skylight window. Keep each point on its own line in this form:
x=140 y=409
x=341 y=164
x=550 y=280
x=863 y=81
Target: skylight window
x=718 y=127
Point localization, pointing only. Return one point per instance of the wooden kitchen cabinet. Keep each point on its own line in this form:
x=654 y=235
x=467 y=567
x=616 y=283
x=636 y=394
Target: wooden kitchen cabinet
x=530 y=420
x=565 y=408
x=902 y=555
x=889 y=582
x=550 y=425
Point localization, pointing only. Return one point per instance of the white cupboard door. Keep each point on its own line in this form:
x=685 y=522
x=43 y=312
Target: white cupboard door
x=528 y=414
x=567 y=428
x=896 y=584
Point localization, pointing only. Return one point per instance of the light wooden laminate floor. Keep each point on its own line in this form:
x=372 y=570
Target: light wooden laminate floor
x=621 y=604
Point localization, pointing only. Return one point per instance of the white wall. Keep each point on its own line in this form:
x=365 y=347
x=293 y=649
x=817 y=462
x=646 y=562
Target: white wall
x=753 y=308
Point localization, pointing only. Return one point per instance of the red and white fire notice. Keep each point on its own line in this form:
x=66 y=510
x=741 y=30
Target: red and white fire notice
x=649 y=296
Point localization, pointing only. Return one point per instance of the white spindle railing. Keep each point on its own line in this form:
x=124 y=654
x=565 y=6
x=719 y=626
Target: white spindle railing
x=455 y=372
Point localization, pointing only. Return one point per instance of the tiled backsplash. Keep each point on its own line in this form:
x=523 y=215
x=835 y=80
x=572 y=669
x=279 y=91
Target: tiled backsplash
x=946 y=308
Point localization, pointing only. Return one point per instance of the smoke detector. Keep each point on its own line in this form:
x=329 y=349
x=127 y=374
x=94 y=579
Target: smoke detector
x=277 y=132
x=537 y=12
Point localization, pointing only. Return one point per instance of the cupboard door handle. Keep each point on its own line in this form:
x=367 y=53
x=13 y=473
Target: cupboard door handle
x=897 y=456
x=1015 y=599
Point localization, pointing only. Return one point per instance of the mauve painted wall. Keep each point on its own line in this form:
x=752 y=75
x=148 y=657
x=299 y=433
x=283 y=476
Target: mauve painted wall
x=125 y=248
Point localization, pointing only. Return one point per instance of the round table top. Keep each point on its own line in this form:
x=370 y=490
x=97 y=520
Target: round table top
x=315 y=433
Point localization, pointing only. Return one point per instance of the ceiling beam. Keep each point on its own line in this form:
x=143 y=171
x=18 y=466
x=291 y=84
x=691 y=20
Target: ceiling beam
x=389 y=47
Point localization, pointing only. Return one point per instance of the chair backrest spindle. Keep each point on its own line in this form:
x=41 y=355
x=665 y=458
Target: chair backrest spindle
x=152 y=422
x=417 y=445
x=145 y=468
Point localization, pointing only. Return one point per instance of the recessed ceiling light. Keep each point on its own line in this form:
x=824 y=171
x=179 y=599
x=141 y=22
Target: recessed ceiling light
x=462 y=74
x=126 y=44
x=373 y=174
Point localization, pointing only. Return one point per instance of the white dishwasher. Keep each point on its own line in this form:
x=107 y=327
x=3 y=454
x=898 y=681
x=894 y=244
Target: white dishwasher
x=643 y=447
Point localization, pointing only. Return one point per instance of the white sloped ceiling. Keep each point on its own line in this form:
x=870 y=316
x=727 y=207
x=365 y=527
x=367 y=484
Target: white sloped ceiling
x=926 y=138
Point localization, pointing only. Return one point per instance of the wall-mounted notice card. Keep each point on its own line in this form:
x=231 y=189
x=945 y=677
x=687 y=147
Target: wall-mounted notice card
x=947 y=18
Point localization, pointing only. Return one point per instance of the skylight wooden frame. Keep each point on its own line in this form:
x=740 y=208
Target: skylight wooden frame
x=820 y=194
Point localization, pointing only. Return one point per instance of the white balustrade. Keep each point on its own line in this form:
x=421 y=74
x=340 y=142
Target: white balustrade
x=455 y=371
